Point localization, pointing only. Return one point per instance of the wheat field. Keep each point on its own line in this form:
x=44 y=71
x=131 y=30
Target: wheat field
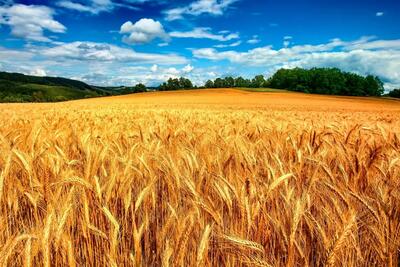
x=201 y=178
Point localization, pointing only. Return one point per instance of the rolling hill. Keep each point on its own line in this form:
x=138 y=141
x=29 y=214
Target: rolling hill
x=16 y=87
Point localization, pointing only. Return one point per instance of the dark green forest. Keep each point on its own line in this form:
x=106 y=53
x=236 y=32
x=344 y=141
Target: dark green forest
x=395 y=93
x=331 y=81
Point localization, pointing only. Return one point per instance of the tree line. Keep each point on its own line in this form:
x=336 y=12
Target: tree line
x=176 y=84
x=330 y=81
x=394 y=93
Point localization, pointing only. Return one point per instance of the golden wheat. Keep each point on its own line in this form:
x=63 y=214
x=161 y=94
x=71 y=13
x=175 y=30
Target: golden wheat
x=211 y=178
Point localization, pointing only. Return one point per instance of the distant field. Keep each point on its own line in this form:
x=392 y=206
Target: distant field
x=269 y=90
x=201 y=178
x=242 y=99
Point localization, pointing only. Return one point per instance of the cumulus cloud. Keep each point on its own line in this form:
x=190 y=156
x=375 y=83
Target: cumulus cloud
x=146 y=30
x=30 y=21
x=380 y=14
x=188 y=68
x=143 y=31
x=38 y=72
x=205 y=33
x=213 y=7
x=364 y=56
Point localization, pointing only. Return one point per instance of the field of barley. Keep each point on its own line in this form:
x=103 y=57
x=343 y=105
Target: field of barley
x=201 y=178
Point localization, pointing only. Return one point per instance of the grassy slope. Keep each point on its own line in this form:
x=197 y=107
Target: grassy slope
x=17 y=87
x=51 y=90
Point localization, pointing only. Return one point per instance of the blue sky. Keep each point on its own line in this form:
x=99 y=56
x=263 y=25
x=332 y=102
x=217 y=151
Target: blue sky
x=124 y=42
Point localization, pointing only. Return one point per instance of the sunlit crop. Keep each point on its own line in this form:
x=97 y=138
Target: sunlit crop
x=256 y=182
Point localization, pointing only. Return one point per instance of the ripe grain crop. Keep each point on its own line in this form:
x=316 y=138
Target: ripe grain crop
x=206 y=178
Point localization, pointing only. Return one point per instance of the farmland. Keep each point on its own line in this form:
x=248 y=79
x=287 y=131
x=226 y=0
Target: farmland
x=201 y=178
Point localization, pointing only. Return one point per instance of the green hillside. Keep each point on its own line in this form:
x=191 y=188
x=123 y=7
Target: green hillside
x=15 y=87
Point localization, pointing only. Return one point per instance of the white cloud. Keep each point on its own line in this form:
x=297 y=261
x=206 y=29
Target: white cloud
x=373 y=45
x=30 y=21
x=204 y=33
x=364 y=56
x=228 y=45
x=154 y=68
x=127 y=76
x=379 y=14
x=38 y=72
x=254 y=40
x=173 y=72
x=146 y=30
x=130 y=76
x=286 y=43
x=81 y=7
x=89 y=51
x=98 y=6
x=213 y=7
x=96 y=63
x=188 y=68
x=143 y=31
x=138 y=74
x=17 y=55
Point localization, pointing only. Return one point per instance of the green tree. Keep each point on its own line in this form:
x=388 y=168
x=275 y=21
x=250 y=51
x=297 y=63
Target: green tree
x=185 y=83
x=209 y=84
x=373 y=86
x=219 y=83
x=139 y=88
x=241 y=82
x=258 y=81
x=229 y=82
